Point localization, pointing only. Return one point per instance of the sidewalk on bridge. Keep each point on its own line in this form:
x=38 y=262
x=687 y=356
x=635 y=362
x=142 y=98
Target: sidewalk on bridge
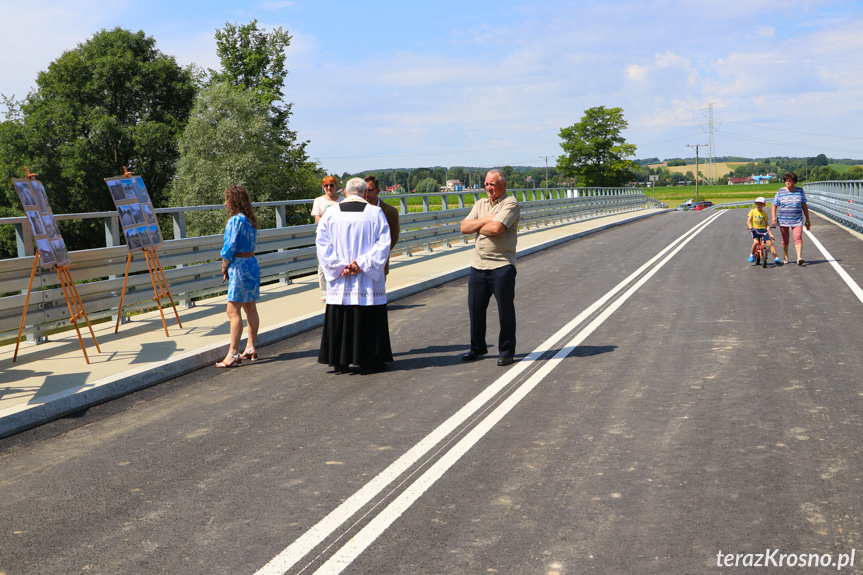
x=52 y=379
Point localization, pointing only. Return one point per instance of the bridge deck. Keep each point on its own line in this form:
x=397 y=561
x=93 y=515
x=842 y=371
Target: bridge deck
x=672 y=409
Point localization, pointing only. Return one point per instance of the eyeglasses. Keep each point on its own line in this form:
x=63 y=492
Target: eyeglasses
x=329 y=185
x=374 y=189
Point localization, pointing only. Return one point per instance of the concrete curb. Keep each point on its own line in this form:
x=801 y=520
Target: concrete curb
x=21 y=418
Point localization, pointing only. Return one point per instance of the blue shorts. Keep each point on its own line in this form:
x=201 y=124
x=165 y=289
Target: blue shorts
x=758 y=233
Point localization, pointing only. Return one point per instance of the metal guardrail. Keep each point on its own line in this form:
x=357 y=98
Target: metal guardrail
x=193 y=268
x=840 y=201
x=111 y=220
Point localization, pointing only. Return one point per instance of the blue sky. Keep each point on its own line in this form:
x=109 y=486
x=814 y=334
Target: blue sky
x=380 y=84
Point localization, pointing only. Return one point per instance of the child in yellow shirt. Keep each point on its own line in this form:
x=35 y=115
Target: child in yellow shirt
x=756 y=221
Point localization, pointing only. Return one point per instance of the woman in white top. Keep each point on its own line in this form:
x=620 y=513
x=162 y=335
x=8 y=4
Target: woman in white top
x=330 y=198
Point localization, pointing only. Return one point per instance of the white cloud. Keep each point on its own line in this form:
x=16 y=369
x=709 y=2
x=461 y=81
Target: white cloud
x=635 y=72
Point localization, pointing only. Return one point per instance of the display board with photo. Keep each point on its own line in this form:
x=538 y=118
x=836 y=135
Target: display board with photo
x=135 y=209
x=52 y=248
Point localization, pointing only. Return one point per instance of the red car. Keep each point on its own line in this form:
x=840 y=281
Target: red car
x=702 y=205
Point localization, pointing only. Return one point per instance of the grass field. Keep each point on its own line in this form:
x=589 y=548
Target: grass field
x=674 y=195
x=725 y=168
x=719 y=168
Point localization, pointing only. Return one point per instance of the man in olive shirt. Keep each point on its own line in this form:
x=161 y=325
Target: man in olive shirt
x=391 y=213
x=494 y=220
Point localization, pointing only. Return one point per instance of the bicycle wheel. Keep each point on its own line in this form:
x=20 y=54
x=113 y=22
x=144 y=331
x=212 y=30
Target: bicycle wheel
x=764 y=256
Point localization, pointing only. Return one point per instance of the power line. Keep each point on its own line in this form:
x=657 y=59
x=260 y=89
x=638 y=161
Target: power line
x=794 y=131
x=786 y=144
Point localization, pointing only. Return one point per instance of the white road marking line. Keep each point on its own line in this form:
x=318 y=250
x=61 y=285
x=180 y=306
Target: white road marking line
x=855 y=288
x=304 y=544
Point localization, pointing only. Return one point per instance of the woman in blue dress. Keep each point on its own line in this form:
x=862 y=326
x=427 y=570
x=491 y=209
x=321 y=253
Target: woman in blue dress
x=240 y=269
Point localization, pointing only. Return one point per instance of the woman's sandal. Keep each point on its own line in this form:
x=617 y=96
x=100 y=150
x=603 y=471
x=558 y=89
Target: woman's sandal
x=800 y=262
x=238 y=359
x=251 y=354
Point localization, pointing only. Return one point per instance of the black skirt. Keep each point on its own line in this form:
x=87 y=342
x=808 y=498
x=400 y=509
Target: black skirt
x=355 y=334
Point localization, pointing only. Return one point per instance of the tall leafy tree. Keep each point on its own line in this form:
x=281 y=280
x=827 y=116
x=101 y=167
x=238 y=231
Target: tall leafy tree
x=229 y=139
x=255 y=59
x=595 y=152
x=239 y=133
x=113 y=101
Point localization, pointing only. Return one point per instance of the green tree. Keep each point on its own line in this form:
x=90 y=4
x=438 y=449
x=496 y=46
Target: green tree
x=239 y=133
x=819 y=160
x=230 y=139
x=823 y=173
x=417 y=176
x=113 y=101
x=457 y=173
x=255 y=60
x=439 y=175
x=537 y=175
x=517 y=181
x=399 y=177
x=855 y=173
x=428 y=186
x=594 y=150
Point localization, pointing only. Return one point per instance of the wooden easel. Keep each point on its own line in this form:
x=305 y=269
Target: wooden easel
x=160 y=287
x=73 y=300
x=157 y=277
x=69 y=291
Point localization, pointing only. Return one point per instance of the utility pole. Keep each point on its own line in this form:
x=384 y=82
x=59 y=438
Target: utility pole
x=546 y=169
x=696 y=146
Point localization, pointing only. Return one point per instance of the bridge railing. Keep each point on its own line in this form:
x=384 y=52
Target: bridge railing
x=193 y=266
x=841 y=201
x=406 y=203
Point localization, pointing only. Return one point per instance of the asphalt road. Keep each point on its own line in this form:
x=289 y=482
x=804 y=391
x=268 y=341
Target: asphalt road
x=673 y=405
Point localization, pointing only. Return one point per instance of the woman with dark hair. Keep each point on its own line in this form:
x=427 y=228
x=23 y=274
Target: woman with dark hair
x=790 y=211
x=240 y=269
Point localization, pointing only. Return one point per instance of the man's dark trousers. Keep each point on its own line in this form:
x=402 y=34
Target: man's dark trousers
x=481 y=286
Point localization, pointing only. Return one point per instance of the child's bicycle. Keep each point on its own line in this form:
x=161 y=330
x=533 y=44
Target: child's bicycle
x=761 y=249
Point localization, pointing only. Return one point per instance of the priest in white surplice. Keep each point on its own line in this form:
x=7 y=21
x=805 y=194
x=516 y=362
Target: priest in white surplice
x=353 y=244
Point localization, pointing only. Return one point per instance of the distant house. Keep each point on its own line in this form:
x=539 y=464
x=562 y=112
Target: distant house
x=397 y=189
x=738 y=181
x=454 y=186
